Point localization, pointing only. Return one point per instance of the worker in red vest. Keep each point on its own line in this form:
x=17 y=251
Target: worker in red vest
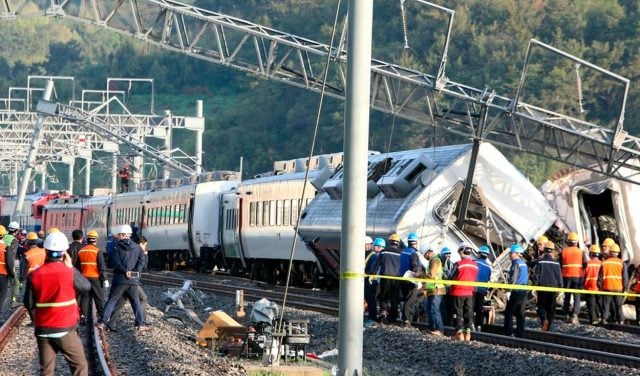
x=6 y=267
x=51 y=297
x=90 y=262
x=124 y=178
x=573 y=261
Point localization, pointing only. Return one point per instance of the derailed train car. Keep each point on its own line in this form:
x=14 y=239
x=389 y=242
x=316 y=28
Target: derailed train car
x=421 y=191
x=597 y=207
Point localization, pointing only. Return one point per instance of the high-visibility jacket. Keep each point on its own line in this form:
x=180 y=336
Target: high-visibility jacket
x=572 y=261
x=612 y=274
x=3 y=259
x=35 y=258
x=88 y=259
x=591 y=274
x=466 y=270
x=55 y=296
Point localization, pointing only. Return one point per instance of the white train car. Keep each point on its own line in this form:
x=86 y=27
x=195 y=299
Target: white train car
x=259 y=218
x=421 y=191
x=25 y=218
x=597 y=207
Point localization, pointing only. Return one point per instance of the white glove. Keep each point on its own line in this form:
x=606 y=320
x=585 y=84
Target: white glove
x=106 y=284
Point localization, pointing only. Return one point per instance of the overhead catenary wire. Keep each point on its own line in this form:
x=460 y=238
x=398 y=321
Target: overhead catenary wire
x=279 y=326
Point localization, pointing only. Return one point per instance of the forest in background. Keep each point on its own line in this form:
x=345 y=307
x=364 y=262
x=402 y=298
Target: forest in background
x=263 y=121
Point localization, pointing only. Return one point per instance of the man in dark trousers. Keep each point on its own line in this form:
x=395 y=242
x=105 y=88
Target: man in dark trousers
x=548 y=273
x=518 y=275
x=124 y=178
x=388 y=264
x=91 y=264
x=50 y=296
x=128 y=262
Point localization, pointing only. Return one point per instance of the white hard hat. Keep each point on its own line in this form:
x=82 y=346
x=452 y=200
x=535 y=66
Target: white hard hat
x=368 y=240
x=125 y=229
x=13 y=225
x=56 y=242
x=427 y=249
x=463 y=245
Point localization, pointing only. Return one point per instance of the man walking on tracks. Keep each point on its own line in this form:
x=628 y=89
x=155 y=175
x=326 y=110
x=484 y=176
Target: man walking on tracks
x=128 y=262
x=51 y=297
x=91 y=264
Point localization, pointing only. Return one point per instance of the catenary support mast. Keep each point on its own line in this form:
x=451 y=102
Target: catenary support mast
x=354 y=202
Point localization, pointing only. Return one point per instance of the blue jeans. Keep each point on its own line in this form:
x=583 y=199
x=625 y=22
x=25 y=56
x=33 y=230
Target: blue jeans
x=432 y=308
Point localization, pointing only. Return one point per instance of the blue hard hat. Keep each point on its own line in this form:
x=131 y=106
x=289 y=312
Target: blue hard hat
x=412 y=237
x=445 y=251
x=379 y=242
x=484 y=249
x=516 y=248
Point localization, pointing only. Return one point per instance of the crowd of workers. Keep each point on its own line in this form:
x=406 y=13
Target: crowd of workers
x=61 y=282
x=394 y=293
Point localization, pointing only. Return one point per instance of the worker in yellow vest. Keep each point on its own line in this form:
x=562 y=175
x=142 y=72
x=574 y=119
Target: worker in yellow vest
x=90 y=262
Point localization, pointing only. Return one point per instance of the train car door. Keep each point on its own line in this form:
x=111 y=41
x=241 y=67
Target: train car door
x=230 y=227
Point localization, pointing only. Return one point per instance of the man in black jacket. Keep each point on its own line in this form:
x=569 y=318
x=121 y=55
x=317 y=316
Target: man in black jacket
x=128 y=262
x=548 y=273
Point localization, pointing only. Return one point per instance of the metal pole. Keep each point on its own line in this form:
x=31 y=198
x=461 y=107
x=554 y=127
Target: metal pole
x=114 y=175
x=31 y=156
x=199 y=135
x=43 y=178
x=87 y=177
x=167 y=144
x=355 y=178
x=14 y=179
x=71 y=166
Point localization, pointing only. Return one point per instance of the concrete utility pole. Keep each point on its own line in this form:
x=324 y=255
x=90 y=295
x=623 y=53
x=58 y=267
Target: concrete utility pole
x=354 y=202
x=31 y=156
x=199 y=135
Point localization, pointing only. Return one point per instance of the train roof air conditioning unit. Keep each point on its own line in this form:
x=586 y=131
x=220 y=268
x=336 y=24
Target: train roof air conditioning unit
x=404 y=176
x=333 y=186
x=321 y=178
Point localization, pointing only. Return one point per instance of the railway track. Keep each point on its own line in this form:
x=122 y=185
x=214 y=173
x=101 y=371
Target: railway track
x=297 y=300
x=96 y=347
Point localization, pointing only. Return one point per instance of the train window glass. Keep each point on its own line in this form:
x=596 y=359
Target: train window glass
x=272 y=213
x=252 y=214
x=279 y=212
x=265 y=213
x=166 y=215
x=294 y=211
x=258 y=214
x=174 y=210
x=152 y=216
x=182 y=212
x=287 y=212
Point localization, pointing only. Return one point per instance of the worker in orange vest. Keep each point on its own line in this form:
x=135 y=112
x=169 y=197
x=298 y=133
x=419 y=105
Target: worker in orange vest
x=6 y=268
x=34 y=256
x=614 y=279
x=90 y=262
x=573 y=261
x=593 y=282
x=638 y=292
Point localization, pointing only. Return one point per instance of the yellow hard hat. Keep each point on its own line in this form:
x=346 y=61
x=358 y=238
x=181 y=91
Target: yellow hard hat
x=3 y=230
x=53 y=230
x=394 y=237
x=542 y=240
x=41 y=233
x=32 y=236
x=614 y=248
x=93 y=234
x=594 y=249
x=608 y=242
x=549 y=245
x=573 y=237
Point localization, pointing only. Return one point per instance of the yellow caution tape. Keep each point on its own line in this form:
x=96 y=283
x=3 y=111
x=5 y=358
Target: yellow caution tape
x=494 y=285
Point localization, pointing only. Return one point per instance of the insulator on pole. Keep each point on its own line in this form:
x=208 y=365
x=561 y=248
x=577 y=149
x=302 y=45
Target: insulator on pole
x=403 y=12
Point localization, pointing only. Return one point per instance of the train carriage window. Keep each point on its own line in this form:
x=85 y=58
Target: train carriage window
x=265 y=213
x=152 y=217
x=287 y=212
x=167 y=215
x=279 y=212
x=294 y=212
x=272 y=213
x=258 y=214
x=252 y=214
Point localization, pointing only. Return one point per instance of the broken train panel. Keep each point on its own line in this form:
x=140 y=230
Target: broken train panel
x=597 y=207
x=421 y=190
